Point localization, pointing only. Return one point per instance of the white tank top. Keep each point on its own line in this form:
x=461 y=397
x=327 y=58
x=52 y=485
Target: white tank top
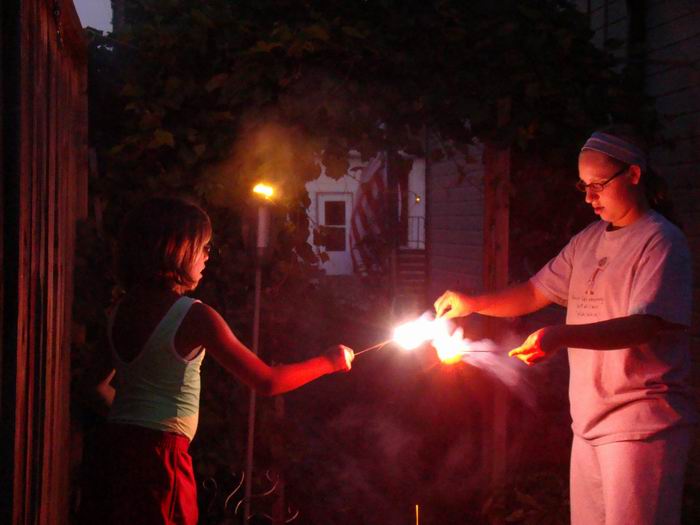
x=159 y=389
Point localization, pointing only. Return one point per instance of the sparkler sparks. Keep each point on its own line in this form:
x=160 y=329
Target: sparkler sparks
x=411 y=335
x=451 y=348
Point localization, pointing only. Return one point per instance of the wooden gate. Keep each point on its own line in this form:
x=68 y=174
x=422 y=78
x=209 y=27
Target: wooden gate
x=43 y=190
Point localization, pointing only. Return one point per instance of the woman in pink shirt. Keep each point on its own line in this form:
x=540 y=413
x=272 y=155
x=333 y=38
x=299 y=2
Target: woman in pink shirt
x=625 y=281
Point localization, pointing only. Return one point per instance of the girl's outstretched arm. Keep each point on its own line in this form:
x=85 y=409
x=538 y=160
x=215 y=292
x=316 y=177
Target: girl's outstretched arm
x=204 y=326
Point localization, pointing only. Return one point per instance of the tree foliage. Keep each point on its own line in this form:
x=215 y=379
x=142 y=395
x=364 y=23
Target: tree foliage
x=207 y=96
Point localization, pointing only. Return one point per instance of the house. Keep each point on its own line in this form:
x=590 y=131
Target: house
x=441 y=189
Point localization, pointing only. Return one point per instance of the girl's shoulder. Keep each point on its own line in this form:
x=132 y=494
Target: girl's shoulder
x=203 y=312
x=202 y=319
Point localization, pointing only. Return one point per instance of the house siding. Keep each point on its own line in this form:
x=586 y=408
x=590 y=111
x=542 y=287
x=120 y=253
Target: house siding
x=454 y=228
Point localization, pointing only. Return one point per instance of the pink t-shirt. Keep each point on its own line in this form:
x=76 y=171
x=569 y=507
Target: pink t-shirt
x=644 y=268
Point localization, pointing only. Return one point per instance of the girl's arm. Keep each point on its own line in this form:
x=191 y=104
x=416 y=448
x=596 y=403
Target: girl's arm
x=621 y=332
x=520 y=299
x=204 y=326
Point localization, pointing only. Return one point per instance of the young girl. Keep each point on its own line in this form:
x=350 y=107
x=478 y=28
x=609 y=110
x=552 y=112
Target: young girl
x=157 y=338
x=626 y=283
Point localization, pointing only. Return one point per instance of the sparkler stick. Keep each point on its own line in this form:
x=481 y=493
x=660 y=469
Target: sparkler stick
x=384 y=343
x=373 y=347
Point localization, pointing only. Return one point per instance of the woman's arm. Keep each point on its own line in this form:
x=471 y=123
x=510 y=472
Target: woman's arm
x=204 y=326
x=621 y=332
x=520 y=299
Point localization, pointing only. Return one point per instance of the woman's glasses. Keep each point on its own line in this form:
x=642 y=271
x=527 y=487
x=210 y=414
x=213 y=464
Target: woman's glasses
x=597 y=187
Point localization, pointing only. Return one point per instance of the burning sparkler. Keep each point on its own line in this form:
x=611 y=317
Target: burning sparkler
x=411 y=335
x=453 y=348
x=450 y=348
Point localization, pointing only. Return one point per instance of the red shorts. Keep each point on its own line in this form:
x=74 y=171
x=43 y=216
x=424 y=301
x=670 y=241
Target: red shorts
x=139 y=476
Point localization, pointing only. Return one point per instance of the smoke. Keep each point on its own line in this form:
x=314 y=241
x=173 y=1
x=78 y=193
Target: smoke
x=452 y=347
x=415 y=433
x=265 y=149
x=493 y=360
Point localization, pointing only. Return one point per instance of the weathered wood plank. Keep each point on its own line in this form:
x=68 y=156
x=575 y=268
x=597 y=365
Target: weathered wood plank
x=51 y=165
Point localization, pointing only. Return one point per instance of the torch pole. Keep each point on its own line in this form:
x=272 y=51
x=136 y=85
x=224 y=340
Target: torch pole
x=261 y=244
x=251 y=405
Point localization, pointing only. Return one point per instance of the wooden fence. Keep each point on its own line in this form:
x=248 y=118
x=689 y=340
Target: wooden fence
x=44 y=191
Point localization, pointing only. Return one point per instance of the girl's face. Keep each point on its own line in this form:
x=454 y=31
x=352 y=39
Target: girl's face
x=200 y=261
x=621 y=200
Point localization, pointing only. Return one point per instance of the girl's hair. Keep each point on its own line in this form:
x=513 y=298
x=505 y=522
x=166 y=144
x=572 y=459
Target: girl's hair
x=655 y=187
x=159 y=242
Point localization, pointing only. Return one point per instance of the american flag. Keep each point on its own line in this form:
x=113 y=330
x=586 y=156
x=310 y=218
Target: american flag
x=367 y=226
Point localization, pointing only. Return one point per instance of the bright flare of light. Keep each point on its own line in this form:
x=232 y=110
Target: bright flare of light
x=451 y=348
x=348 y=357
x=413 y=334
x=264 y=190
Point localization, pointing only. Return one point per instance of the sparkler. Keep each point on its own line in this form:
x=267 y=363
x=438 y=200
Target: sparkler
x=450 y=347
x=373 y=347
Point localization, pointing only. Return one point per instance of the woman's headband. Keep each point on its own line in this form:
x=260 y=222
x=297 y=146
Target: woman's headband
x=616 y=148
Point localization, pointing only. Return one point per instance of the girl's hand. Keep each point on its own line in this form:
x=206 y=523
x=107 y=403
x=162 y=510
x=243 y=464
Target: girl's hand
x=453 y=304
x=537 y=346
x=341 y=357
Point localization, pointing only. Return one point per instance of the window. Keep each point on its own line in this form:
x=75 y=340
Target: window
x=334 y=227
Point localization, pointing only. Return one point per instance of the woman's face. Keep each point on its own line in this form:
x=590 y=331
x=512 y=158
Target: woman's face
x=200 y=261
x=620 y=200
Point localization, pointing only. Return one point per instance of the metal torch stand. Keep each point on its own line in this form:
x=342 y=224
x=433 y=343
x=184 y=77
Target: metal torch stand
x=251 y=406
x=263 y=228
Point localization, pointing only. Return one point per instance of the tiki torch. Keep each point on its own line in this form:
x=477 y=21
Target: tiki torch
x=262 y=242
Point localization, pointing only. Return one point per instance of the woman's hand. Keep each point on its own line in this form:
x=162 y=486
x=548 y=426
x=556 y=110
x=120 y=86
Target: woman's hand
x=341 y=357
x=538 y=346
x=453 y=304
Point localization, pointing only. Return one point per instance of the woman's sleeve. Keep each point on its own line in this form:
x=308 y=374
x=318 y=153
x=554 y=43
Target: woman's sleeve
x=554 y=277
x=662 y=284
